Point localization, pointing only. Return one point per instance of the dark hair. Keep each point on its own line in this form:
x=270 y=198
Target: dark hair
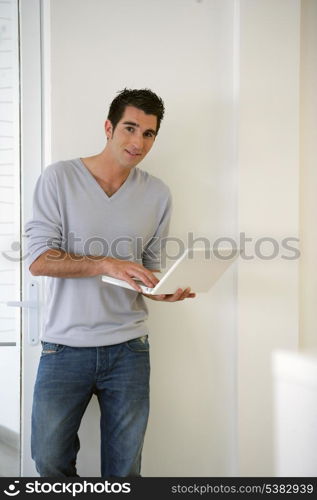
x=143 y=99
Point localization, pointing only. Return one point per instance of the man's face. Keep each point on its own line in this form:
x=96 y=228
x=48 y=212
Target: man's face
x=133 y=136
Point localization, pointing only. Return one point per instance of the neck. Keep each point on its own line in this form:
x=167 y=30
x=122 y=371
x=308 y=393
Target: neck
x=104 y=167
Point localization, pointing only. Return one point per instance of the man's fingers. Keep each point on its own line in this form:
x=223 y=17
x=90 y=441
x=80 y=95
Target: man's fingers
x=185 y=294
x=180 y=295
x=148 y=278
x=157 y=297
x=127 y=270
x=175 y=296
x=132 y=282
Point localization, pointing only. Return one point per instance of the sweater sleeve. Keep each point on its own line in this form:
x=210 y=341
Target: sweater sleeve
x=44 y=230
x=154 y=249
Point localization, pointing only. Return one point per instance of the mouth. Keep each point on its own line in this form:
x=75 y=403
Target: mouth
x=133 y=155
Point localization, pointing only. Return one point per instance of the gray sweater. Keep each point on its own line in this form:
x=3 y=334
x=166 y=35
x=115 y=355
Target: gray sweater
x=73 y=213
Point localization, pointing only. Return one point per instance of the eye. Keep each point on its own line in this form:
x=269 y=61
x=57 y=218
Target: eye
x=130 y=129
x=149 y=134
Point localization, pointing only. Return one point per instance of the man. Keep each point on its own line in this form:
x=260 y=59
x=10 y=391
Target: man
x=90 y=216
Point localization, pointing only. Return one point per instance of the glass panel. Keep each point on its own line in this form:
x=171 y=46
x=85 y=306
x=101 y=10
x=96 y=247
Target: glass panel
x=9 y=241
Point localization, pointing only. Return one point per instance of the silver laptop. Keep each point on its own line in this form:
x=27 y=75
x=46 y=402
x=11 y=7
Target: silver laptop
x=197 y=268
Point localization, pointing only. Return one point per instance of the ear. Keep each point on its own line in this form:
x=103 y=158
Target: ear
x=108 y=129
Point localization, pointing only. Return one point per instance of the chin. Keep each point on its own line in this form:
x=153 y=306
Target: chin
x=134 y=163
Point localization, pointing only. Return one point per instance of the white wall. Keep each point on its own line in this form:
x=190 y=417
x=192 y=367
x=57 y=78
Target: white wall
x=184 y=51
x=308 y=174
x=189 y=52
x=295 y=413
x=268 y=207
x=295 y=374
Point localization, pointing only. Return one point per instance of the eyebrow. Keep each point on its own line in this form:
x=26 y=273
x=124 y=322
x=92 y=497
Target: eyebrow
x=137 y=125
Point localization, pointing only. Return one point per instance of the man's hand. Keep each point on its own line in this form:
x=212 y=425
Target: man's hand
x=175 y=297
x=127 y=270
x=60 y=264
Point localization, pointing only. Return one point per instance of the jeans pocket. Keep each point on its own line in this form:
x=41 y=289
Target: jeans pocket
x=51 y=348
x=140 y=344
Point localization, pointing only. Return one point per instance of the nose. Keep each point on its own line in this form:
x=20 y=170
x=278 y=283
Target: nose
x=137 y=142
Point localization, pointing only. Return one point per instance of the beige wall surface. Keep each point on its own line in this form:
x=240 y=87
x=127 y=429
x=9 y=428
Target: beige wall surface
x=308 y=175
x=268 y=208
x=237 y=149
x=184 y=51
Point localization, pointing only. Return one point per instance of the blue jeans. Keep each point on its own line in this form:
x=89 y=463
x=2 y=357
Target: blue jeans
x=66 y=380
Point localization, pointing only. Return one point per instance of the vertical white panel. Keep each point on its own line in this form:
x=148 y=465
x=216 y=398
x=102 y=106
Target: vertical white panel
x=9 y=241
x=268 y=208
x=9 y=172
x=308 y=174
x=295 y=413
x=31 y=161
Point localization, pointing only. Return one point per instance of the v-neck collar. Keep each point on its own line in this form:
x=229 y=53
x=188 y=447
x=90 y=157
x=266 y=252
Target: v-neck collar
x=93 y=181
